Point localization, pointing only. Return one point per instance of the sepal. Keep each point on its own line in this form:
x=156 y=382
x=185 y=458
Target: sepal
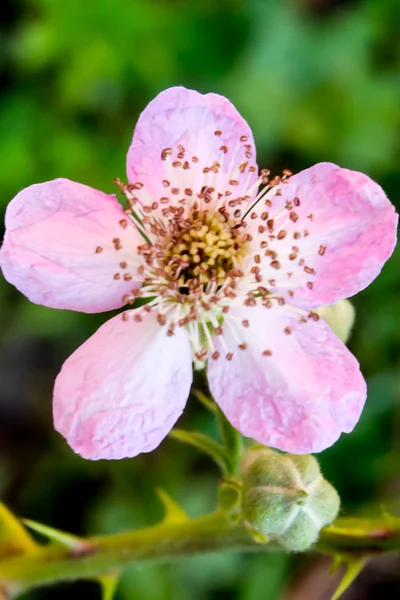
x=230 y=499
x=286 y=498
x=340 y=318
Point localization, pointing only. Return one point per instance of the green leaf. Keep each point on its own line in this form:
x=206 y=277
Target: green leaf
x=14 y=538
x=109 y=585
x=60 y=538
x=354 y=566
x=173 y=512
x=205 y=444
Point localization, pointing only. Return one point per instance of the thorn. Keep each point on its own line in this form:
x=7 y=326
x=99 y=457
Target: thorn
x=109 y=584
x=14 y=539
x=77 y=545
x=354 y=566
x=173 y=512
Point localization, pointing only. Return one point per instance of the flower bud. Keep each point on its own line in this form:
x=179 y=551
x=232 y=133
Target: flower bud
x=340 y=318
x=286 y=498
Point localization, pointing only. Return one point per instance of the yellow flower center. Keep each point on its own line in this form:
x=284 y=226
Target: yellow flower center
x=204 y=247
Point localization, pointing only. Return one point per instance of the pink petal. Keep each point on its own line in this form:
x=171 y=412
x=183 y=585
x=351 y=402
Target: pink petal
x=349 y=214
x=122 y=391
x=185 y=117
x=301 y=397
x=49 y=252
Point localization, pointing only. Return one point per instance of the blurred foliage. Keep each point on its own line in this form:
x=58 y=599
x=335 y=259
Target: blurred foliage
x=317 y=80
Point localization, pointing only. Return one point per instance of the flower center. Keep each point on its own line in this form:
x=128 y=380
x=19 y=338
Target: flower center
x=206 y=247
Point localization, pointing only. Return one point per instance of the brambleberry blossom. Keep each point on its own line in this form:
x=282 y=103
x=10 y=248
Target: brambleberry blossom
x=220 y=265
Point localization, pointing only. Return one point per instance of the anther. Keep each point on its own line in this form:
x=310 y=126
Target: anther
x=123 y=223
x=166 y=152
x=98 y=250
x=161 y=319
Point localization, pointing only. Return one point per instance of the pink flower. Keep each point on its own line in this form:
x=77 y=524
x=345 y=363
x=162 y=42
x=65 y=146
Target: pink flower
x=231 y=274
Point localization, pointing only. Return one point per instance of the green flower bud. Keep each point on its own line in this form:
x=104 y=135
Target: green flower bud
x=340 y=318
x=286 y=498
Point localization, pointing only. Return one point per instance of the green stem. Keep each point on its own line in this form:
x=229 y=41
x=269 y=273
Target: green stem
x=212 y=533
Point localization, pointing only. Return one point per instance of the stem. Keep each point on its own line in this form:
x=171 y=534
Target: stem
x=166 y=541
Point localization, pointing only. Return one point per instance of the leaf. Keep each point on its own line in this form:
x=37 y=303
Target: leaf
x=353 y=568
x=173 y=512
x=109 y=585
x=205 y=444
x=14 y=538
x=60 y=538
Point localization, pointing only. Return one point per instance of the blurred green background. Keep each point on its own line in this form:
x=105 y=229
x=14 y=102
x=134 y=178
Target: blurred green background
x=317 y=80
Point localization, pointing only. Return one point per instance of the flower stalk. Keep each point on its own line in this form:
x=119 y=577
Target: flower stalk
x=167 y=541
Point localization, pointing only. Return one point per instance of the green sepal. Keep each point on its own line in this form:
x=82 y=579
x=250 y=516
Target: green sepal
x=354 y=566
x=59 y=538
x=173 y=512
x=109 y=584
x=14 y=539
x=230 y=499
x=258 y=537
x=205 y=444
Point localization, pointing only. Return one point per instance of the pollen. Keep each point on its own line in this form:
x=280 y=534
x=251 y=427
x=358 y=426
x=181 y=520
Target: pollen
x=205 y=247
